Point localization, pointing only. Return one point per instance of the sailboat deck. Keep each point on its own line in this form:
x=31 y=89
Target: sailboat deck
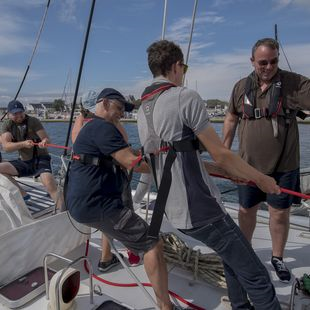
x=181 y=281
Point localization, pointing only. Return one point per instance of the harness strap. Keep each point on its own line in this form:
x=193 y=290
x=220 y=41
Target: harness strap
x=249 y=109
x=162 y=195
x=186 y=145
x=87 y=159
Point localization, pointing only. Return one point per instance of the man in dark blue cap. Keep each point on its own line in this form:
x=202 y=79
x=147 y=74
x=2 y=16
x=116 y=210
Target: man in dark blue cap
x=20 y=132
x=95 y=186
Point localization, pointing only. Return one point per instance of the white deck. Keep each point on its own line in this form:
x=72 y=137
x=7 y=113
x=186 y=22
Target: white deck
x=180 y=281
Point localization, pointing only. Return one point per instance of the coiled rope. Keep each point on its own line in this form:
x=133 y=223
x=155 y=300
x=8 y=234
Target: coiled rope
x=207 y=267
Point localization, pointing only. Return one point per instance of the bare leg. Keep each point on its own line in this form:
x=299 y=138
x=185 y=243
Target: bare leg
x=279 y=228
x=155 y=267
x=247 y=221
x=49 y=182
x=106 y=254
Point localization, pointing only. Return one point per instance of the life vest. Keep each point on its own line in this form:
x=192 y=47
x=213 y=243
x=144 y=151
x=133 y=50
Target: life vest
x=153 y=143
x=14 y=128
x=274 y=109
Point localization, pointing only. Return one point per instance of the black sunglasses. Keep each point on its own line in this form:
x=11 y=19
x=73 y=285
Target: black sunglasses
x=264 y=62
x=185 y=67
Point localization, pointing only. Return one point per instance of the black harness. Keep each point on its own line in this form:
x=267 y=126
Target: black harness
x=152 y=145
x=275 y=107
x=102 y=161
x=249 y=108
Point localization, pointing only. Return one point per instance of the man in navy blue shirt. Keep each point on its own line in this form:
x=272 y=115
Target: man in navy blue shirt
x=95 y=185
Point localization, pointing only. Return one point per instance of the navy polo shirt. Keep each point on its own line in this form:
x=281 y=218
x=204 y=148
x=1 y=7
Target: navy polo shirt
x=93 y=189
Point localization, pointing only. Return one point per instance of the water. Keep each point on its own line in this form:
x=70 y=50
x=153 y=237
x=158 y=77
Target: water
x=58 y=133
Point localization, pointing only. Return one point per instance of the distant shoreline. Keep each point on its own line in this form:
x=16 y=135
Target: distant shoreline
x=130 y=120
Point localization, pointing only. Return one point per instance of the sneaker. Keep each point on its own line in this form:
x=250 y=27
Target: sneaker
x=133 y=259
x=27 y=197
x=105 y=266
x=282 y=272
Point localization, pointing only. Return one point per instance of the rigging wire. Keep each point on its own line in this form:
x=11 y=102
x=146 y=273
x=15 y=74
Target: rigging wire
x=190 y=36
x=191 y=32
x=79 y=74
x=33 y=53
x=282 y=49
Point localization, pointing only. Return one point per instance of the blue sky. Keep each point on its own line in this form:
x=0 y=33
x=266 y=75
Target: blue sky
x=225 y=31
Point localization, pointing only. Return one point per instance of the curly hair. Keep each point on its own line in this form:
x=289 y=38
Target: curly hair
x=162 y=55
x=269 y=42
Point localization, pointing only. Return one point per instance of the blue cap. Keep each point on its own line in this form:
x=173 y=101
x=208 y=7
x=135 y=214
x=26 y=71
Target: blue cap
x=15 y=106
x=111 y=93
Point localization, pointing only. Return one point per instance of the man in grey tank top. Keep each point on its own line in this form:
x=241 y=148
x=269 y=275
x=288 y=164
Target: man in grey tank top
x=194 y=204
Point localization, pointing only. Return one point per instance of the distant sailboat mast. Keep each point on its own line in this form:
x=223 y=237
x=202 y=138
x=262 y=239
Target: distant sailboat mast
x=276 y=38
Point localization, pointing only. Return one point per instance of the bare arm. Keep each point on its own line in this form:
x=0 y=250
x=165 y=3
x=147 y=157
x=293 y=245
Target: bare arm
x=125 y=157
x=43 y=136
x=233 y=164
x=9 y=146
x=229 y=129
x=78 y=124
x=215 y=169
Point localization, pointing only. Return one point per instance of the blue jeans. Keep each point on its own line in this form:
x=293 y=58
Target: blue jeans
x=244 y=272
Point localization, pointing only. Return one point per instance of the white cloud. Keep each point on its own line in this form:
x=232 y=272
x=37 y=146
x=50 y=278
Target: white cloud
x=12 y=27
x=13 y=44
x=9 y=72
x=294 y=3
x=67 y=13
x=216 y=75
x=179 y=31
x=218 y=3
x=23 y=3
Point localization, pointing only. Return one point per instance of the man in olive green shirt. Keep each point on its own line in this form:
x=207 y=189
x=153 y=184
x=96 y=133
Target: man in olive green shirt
x=265 y=105
x=20 y=133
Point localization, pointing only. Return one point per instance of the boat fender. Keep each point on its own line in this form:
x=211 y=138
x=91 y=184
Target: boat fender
x=68 y=288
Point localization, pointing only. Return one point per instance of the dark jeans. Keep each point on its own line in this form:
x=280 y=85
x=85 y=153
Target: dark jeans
x=245 y=274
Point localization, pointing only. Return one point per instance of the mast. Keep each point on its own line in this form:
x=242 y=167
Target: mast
x=276 y=32
x=80 y=73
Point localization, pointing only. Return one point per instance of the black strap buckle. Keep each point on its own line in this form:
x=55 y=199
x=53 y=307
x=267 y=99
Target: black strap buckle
x=87 y=159
x=257 y=113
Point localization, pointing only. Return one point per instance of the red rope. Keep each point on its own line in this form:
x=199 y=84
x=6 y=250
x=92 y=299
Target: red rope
x=193 y=306
x=55 y=146
x=283 y=190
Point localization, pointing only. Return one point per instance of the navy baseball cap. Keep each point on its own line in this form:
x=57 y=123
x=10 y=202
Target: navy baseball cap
x=15 y=106
x=111 y=93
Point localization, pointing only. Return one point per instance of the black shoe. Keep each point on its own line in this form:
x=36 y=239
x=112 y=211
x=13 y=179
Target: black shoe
x=105 y=266
x=282 y=272
x=150 y=208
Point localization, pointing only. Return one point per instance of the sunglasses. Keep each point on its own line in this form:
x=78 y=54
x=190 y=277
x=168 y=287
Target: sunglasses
x=264 y=62
x=185 y=67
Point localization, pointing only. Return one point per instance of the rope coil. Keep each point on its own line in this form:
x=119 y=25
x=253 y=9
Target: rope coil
x=207 y=267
